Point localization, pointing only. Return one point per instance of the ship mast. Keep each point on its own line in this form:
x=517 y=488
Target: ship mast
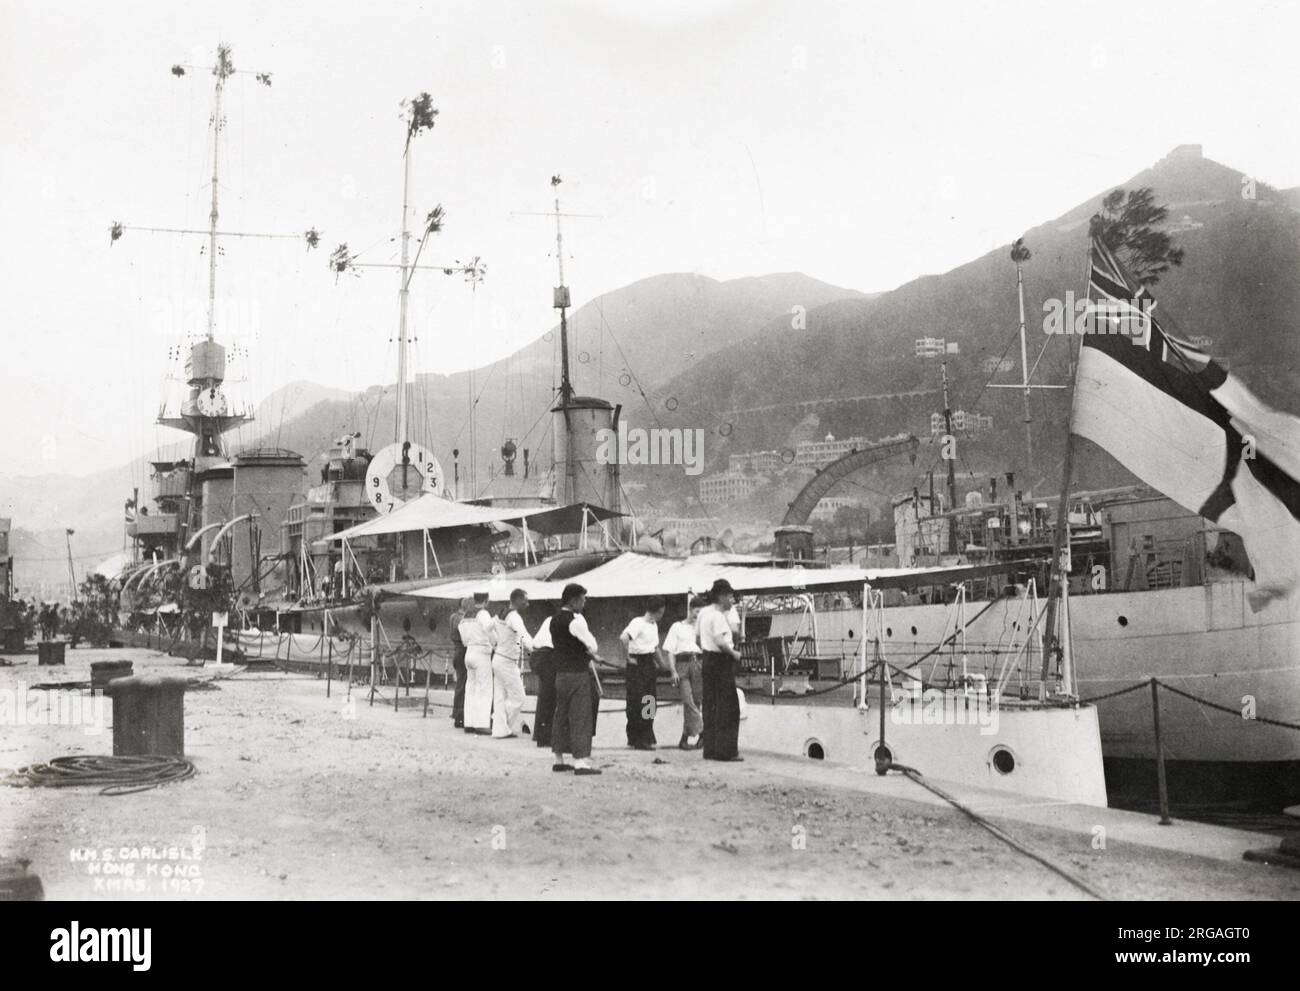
x=562 y=302
x=1019 y=255
x=1058 y=568
x=222 y=71
x=952 y=468
x=404 y=295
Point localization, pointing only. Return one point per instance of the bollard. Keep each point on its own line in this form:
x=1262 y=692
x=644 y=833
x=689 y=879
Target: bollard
x=148 y=715
x=102 y=672
x=50 y=652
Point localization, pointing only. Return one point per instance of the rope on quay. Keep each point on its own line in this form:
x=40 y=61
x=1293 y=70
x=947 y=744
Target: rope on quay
x=914 y=775
x=113 y=775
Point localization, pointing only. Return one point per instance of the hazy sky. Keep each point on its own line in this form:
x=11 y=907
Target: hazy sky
x=863 y=144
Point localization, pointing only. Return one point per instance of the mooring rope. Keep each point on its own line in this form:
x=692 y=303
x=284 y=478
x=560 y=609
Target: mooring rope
x=112 y=775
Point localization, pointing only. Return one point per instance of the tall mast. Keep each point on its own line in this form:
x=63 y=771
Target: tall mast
x=1024 y=372
x=221 y=71
x=562 y=302
x=1058 y=568
x=1020 y=254
x=952 y=469
x=404 y=296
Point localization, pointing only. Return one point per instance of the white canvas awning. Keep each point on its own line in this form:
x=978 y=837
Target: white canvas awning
x=433 y=512
x=634 y=575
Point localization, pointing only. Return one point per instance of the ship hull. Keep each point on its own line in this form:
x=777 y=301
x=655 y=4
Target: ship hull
x=1202 y=640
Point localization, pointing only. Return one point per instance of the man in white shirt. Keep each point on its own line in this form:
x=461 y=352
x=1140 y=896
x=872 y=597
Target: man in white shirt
x=507 y=683
x=721 y=659
x=574 y=652
x=683 y=652
x=478 y=634
x=641 y=646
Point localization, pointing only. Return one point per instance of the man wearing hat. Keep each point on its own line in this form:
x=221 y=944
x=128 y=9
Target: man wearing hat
x=572 y=652
x=721 y=659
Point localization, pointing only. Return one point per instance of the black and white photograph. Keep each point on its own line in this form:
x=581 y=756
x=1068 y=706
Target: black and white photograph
x=546 y=451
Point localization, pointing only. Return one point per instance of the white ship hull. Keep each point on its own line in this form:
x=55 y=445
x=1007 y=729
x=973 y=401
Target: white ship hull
x=1204 y=640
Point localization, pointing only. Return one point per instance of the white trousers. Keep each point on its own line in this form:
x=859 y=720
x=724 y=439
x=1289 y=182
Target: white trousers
x=507 y=697
x=478 y=688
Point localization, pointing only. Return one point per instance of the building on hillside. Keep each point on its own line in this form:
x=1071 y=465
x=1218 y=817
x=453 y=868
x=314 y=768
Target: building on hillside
x=818 y=454
x=962 y=423
x=726 y=487
x=828 y=506
x=935 y=347
x=763 y=462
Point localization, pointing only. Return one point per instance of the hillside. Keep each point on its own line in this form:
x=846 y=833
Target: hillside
x=1236 y=286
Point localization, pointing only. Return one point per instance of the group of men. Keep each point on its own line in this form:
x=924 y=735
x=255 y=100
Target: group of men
x=700 y=655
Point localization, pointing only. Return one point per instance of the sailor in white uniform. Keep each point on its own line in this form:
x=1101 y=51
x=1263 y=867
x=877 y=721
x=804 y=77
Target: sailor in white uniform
x=479 y=636
x=507 y=683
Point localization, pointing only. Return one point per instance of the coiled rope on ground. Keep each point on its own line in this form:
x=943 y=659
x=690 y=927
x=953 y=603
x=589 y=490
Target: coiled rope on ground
x=113 y=775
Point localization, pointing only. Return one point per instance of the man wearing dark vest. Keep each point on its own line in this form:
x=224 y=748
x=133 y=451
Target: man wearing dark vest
x=572 y=653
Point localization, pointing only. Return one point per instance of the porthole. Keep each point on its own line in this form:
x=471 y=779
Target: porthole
x=1004 y=761
x=882 y=752
x=914 y=631
x=889 y=631
x=1123 y=621
x=814 y=750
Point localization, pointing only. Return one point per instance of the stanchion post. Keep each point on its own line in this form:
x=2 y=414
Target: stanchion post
x=882 y=765
x=329 y=662
x=1160 y=755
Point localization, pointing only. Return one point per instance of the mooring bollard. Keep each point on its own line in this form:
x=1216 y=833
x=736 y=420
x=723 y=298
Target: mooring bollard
x=148 y=715
x=102 y=672
x=50 y=652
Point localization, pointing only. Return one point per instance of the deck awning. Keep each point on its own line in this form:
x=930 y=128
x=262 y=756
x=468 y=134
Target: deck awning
x=635 y=575
x=433 y=512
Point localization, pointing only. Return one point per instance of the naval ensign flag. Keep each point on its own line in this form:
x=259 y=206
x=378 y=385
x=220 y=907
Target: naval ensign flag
x=1176 y=419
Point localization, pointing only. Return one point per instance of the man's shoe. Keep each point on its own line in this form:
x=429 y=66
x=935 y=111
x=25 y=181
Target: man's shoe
x=507 y=736
x=733 y=760
x=643 y=746
x=683 y=745
x=459 y=724
x=587 y=770
x=561 y=767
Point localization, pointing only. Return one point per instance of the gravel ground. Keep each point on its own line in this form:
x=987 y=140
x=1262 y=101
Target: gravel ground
x=298 y=797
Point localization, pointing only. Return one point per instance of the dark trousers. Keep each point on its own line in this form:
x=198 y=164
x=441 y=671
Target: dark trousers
x=642 y=674
x=458 y=700
x=540 y=662
x=721 y=707
x=573 y=726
